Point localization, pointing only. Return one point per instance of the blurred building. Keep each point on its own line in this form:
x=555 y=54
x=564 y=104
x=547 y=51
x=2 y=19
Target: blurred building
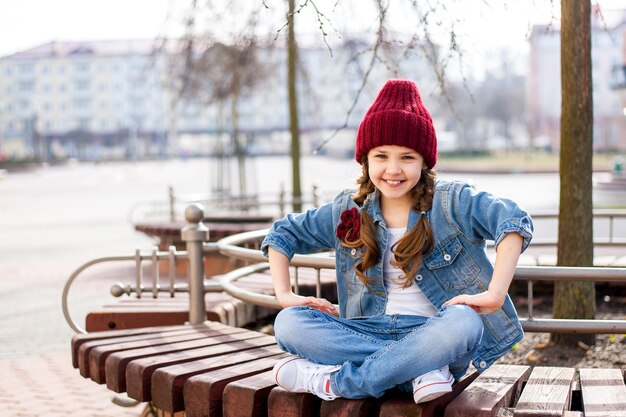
x=118 y=99
x=544 y=85
x=83 y=98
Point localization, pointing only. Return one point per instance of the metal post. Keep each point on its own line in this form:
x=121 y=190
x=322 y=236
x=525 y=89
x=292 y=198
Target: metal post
x=315 y=198
x=172 y=269
x=281 y=200
x=172 y=200
x=156 y=285
x=138 y=273
x=194 y=234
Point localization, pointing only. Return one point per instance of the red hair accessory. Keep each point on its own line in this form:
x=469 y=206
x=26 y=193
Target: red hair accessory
x=350 y=225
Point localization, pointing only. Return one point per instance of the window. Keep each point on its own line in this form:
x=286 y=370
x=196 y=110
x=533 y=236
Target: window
x=82 y=104
x=81 y=85
x=25 y=69
x=25 y=87
x=81 y=67
x=83 y=124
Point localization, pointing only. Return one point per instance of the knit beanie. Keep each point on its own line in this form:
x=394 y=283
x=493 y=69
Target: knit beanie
x=398 y=117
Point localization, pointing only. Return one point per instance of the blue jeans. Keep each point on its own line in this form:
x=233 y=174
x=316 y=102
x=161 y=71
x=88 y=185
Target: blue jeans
x=380 y=352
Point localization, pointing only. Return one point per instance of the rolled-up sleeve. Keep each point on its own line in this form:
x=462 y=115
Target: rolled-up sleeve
x=306 y=232
x=523 y=226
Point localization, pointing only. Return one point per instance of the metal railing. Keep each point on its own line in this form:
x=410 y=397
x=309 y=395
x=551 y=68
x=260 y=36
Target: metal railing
x=274 y=204
x=231 y=246
x=610 y=216
x=195 y=235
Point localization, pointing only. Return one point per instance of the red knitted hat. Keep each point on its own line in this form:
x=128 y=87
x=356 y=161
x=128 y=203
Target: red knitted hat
x=398 y=117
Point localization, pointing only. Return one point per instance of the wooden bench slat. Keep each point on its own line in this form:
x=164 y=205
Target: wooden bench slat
x=82 y=351
x=92 y=355
x=248 y=396
x=343 y=407
x=494 y=388
x=282 y=403
x=167 y=384
x=79 y=339
x=139 y=372
x=116 y=365
x=603 y=392
x=203 y=393
x=403 y=405
x=547 y=392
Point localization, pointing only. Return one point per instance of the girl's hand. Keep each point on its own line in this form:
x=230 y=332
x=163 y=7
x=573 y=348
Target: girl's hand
x=482 y=303
x=321 y=304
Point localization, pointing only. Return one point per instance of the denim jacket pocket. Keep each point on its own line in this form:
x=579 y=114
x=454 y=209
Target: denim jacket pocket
x=354 y=288
x=347 y=257
x=356 y=292
x=453 y=266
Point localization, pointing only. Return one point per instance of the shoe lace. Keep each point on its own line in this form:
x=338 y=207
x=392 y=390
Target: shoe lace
x=314 y=384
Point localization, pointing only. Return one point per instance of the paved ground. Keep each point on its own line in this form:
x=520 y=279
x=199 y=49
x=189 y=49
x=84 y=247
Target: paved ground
x=36 y=374
x=45 y=384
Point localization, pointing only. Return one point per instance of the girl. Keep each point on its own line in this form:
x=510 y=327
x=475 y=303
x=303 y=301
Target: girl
x=418 y=297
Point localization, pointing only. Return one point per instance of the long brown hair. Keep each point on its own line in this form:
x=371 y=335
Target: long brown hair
x=410 y=249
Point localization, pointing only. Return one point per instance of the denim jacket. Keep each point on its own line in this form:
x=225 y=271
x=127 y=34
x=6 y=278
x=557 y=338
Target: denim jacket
x=461 y=219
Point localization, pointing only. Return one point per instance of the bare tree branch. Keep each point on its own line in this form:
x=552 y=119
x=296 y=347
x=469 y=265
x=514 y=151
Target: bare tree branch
x=380 y=37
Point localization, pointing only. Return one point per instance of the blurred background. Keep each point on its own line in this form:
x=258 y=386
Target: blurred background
x=111 y=81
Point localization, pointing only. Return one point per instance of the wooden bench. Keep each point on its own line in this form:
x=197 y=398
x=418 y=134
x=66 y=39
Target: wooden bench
x=213 y=369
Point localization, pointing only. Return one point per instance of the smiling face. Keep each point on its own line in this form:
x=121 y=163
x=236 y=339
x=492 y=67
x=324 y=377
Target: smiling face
x=394 y=170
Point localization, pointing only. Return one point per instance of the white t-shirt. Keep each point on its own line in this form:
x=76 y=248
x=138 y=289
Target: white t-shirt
x=410 y=300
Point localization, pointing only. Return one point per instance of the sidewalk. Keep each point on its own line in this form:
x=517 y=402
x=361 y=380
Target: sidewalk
x=47 y=385
x=36 y=373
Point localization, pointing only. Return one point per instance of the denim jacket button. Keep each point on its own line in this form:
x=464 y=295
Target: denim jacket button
x=482 y=364
x=419 y=277
x=447 y=257
x=353 y=252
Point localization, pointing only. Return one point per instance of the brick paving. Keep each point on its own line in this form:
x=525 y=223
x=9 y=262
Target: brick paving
x=46 y=385
x=36 y=374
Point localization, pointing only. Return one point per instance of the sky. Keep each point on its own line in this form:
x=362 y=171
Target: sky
x=483 y=26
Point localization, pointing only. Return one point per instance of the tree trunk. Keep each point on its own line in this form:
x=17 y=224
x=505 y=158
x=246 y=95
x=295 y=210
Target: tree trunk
x=240 y=152
x=575 y=247
x=292 y=50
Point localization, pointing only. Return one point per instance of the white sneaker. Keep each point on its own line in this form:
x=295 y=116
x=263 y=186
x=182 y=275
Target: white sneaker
x=296 y=374
x=432 y=384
